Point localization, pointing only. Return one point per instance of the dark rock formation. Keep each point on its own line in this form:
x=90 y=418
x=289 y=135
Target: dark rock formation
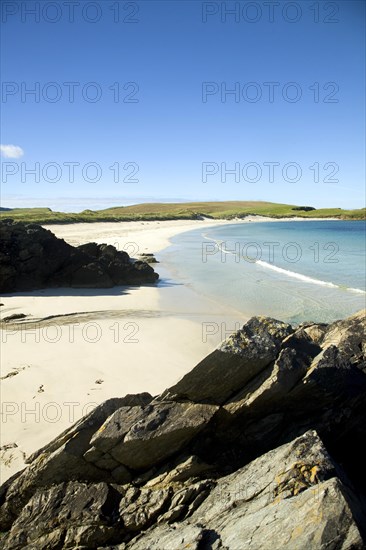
x=257 y=447
x=32 y=257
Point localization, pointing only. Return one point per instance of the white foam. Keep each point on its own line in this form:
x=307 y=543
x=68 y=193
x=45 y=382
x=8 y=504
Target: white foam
x=286 y=272
x=358 y=290
x=305 y=278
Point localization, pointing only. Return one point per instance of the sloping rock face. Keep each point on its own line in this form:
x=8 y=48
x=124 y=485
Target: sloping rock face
x=288 y=498
x=32 y=257
x=236 y=361
x=261 y=453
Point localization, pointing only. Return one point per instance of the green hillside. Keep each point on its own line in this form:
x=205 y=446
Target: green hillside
x=179 y=211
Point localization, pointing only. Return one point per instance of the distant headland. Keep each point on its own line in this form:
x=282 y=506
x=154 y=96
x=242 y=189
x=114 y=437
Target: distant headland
x=181 y=211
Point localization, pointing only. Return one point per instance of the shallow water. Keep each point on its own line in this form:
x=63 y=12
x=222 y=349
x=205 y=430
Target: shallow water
x=295 y=271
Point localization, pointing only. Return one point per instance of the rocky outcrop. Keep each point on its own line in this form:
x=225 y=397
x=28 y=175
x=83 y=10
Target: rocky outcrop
x=32 y=257
x=291 y=497
x=257 y=447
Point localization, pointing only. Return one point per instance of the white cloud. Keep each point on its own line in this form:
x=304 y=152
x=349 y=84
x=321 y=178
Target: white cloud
x=11 y=151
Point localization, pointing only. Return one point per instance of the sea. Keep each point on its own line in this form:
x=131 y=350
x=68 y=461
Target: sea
x=292 y=270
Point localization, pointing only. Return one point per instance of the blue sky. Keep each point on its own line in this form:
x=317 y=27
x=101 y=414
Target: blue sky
x=149 y=101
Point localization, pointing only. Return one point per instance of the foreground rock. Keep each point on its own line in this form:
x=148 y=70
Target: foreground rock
x=292 y=497
x=257 y=447
x=32 y=257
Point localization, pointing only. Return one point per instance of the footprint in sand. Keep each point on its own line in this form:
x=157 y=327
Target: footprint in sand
x=14 y=372
x=99 y=381
x=40 y=390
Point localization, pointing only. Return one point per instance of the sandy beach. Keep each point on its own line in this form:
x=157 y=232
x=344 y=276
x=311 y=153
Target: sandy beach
x=77 y=347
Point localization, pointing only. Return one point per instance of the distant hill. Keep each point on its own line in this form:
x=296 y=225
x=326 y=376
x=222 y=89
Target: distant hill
x=183 y=211
x=3 y=209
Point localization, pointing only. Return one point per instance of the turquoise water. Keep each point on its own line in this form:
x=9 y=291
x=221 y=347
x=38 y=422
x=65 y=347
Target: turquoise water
x=294 y=271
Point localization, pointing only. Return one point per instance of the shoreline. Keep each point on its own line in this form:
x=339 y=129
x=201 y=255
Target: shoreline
x=99 y=343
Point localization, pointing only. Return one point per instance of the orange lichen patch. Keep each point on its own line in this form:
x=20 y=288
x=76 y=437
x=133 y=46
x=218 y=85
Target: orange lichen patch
x=296 y=479
x=314 y=474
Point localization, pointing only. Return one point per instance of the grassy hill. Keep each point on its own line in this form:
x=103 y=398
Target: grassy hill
x=180 y=211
